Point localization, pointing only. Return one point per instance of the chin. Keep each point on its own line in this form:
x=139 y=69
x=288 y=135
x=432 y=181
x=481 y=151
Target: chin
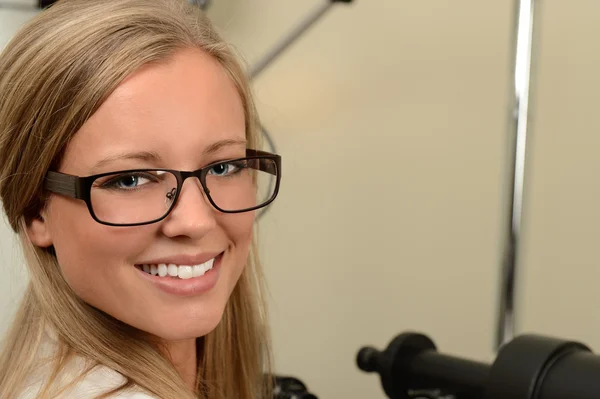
x=187 y=327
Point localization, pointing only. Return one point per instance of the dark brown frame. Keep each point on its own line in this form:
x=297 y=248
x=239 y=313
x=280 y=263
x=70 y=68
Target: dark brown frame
x=80 y=187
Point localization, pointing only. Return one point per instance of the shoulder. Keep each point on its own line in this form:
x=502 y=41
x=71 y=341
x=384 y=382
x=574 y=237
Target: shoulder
x=101 y=380
x=98 y=381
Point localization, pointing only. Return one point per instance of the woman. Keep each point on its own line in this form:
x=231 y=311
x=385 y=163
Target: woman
x=129 y=171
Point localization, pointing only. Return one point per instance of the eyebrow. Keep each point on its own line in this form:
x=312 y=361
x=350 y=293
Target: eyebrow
x=153 y=157
x=211 y=149
x=146 y=156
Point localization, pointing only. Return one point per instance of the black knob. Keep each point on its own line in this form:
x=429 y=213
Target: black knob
x=368 y=359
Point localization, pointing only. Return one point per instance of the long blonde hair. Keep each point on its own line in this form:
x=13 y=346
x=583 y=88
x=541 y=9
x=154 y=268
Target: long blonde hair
x=54 y=75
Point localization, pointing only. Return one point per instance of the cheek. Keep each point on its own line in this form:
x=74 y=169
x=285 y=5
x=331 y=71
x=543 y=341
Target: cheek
x=239 y=228
x=87 y=251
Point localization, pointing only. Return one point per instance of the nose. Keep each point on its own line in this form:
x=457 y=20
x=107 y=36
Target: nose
x=192 y=216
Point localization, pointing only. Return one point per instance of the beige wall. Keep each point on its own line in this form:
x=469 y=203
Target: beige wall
x=392 y=119
x=561 y=276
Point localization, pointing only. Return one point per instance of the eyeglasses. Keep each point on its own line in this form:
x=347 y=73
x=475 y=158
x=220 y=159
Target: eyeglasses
x=143 y=196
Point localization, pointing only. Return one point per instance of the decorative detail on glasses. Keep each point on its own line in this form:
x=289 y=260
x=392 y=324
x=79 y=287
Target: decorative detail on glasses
x=171 y=194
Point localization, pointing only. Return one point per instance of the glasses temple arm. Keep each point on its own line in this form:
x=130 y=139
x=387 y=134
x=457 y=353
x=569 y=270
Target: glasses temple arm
x=61 y=184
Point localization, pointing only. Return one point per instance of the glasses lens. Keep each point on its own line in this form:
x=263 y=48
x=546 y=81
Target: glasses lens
x=244 y=184
x=133 y=197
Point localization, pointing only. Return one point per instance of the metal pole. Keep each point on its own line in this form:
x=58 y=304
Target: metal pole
x=522 y=78
x=287 y=41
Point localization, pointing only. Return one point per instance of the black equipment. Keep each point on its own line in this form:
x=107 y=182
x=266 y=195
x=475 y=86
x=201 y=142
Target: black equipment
x=528 y=367
x=45 y=3
x=290 y=388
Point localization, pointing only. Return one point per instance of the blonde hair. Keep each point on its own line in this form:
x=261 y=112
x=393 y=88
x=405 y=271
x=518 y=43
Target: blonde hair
x=54 y=75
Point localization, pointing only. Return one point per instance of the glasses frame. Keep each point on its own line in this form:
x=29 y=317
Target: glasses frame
x=81 y=187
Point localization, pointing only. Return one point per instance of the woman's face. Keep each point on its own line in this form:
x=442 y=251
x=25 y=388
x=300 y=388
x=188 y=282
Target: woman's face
x=181 y=115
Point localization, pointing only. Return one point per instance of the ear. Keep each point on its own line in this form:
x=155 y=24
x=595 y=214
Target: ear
x=38 y=232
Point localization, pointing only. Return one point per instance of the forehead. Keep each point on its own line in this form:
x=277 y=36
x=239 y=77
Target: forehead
x=176 y=109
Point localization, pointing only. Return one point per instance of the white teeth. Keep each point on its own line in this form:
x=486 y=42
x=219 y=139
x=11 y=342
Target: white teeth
x=198 y=271
x=208 y=265
x=183 y=272
x=172 y=270
x=162 y=270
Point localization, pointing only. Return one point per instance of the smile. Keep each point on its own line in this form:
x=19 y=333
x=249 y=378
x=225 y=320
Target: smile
x=183 y=272
x=182 y=275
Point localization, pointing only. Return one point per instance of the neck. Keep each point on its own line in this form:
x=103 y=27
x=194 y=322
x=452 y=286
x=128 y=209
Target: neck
x=183 y=356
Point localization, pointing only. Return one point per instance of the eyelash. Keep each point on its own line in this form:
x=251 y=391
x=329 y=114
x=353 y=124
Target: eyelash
x=114 y=181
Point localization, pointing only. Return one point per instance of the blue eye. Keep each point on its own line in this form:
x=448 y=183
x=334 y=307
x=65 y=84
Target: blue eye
x=225 y=169
x=129 y=181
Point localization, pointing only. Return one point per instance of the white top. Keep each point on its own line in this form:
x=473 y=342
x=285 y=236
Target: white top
x=96 y=382
x=99 y=380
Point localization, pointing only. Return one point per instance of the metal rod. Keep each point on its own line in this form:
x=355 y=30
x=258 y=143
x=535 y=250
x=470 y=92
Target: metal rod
x=284 y=43
x=522 y=77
